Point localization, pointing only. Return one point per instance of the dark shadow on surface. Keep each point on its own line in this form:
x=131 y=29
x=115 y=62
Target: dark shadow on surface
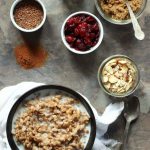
x=86 y=63
x=34 y=38
x=116 y=129
x=74 y=5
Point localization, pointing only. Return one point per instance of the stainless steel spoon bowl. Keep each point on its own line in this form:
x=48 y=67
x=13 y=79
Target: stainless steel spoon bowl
x=131 y=113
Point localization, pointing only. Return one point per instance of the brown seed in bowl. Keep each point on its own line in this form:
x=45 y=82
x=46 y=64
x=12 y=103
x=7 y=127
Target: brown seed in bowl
x=28 y=14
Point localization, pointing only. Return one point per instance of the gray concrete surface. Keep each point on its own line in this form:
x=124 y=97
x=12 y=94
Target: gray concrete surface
x=80 y=72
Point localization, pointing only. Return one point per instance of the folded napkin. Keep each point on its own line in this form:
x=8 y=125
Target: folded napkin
x=9 y=95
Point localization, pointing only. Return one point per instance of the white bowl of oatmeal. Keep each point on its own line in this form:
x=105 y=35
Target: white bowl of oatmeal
x=51 y=117
x=118 y=76
x=116 y=12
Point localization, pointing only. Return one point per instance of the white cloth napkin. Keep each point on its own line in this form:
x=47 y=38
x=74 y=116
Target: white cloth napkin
x=9 y=95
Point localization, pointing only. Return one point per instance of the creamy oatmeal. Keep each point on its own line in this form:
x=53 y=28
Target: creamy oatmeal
x=51 y=123
x=117 y=9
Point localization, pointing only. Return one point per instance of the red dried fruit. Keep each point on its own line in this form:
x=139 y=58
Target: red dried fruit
x=70 y=39
x=90 y=19
x=87 y=35
x=76 y=31
x=85 y=29
x=77 y=20
x=78 y=41
x=92 y=35
x=88 y=42
x=82 y=32
x=89 y=28
x=97 y=34
x=94 y=43
x=84 y=25
x=70 y=22
x=95 y=27
x=80 y=45
x=83 y=17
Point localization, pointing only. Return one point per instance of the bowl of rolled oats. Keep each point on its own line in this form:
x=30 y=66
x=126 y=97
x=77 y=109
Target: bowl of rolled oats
x=116 y=11
x=51 y=117
x=118 y=76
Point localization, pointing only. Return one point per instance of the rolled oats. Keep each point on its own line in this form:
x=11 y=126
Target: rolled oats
x=51 y=124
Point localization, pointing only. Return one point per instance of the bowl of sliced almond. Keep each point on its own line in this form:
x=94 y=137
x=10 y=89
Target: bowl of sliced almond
x=118 y=76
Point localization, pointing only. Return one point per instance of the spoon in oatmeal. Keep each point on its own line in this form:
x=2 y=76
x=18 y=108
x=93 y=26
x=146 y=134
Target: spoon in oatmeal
x=139 y=34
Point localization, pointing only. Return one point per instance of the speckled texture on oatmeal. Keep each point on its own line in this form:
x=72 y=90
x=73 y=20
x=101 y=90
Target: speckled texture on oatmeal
x=117 y=9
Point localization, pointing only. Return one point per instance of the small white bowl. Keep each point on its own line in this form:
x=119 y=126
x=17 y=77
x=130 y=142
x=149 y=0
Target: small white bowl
x=92 y=48
x=23 y=29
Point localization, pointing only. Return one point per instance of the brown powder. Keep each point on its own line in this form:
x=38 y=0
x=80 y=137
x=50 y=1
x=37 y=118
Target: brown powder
x=28 y=14
x=29 y=56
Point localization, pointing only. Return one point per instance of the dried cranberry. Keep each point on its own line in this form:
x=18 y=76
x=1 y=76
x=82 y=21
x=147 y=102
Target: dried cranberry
x=70 y=39
x=88 y=42
x=89 y=28
x=80 y=45
x=78 y=41
x=84 y=25
x=70 y=22
x=92 y=35
x=77 y=20
x=94 y=43
x=82 y=28
x=82 y=17
x=76 y=31
x=90 y=19
x=82 y=32
x=87 y=35
x=95 y=27
x=97 y=34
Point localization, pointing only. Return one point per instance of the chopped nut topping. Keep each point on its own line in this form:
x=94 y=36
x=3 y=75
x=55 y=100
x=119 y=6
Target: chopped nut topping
x=119 y=75
x=51 y=124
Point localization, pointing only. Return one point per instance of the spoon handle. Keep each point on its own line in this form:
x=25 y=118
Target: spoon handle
x=125 y=135
x=139 y=34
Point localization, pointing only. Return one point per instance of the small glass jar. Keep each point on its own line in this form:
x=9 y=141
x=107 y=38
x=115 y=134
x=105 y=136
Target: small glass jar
x=119 y=22
x=136 y=80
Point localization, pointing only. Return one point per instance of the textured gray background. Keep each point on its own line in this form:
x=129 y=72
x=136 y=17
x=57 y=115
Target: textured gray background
x=80 y=72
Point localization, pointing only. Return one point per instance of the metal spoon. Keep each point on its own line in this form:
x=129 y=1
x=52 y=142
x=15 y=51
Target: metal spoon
x=139 y=34
x=131 y=112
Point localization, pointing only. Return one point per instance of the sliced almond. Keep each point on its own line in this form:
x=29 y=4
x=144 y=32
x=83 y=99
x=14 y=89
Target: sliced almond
x=121 y=83
x=109 y=69
x=117 y=74
x=121 y=90
x=128 y=86
x=116 y=68
x=105 y=79
x=113 y=79
x=122 y=62
x=113 y=61
x=124 y=69
x=107 y=86
x=104 y=72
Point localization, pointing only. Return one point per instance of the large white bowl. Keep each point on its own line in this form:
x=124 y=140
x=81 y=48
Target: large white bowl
x=20 y=28
x=92 y=48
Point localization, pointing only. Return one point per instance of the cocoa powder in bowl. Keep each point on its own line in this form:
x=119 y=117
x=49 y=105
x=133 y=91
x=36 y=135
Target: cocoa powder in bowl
x=28 y=14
